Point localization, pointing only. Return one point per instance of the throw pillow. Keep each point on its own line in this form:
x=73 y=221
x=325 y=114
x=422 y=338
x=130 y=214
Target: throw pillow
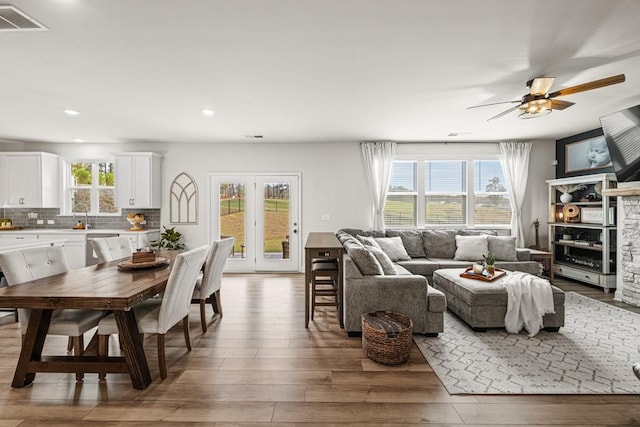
x=368 y=241
x=393 y=247
x=439 y=243
x=471 y=248
x=504 y=247
x=365 y=260
x=412 y=241
x=385 y=262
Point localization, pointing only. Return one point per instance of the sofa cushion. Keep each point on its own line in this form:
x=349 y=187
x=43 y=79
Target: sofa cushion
x=365 y=260
x=471 y=248
x=450 y=263
x=356 y=231
x=393 y=247
x=476 y=232
x=412 y=241
x=503 y=247
x=439 y=243
x=368 y=241
x=421 y=266
x=388 y=268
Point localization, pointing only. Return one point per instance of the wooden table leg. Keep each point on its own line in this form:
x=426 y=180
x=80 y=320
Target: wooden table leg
x=32 y=345
x=131 y=342
x=307 y=280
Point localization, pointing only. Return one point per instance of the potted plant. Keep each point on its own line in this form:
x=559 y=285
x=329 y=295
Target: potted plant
x=169 y=240
x=489 y=263
x=566 y=233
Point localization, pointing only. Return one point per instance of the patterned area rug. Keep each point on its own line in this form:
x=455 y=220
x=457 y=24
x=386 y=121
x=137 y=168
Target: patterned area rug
x=592 y=354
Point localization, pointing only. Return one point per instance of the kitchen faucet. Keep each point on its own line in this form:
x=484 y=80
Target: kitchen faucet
x=86 y=214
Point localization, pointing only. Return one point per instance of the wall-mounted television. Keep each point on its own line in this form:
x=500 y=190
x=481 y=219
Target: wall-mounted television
x=622 y=133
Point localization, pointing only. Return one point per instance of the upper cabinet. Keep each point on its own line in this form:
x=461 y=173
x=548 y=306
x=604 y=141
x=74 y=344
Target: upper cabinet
x=29 y=180
x=138 y=180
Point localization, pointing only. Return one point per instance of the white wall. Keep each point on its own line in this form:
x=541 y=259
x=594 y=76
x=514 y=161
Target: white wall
x=333 y=177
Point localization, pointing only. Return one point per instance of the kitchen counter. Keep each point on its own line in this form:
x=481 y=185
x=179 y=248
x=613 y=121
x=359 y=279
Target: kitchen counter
x=77 y=242
x=12 y=245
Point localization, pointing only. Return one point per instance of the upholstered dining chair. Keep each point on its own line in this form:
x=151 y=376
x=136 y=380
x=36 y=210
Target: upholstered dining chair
x=25 y=265
x=157 y=316
x=209 y=283
x=111 y=248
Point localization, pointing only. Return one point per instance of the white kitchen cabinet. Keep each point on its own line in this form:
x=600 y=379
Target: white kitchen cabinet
x=75 y=246
x=30 y=180
x=10 y=235
x=138 y=180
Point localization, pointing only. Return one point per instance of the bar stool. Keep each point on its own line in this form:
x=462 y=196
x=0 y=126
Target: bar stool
x=324 y=282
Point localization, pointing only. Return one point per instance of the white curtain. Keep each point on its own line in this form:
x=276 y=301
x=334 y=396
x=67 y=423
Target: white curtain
x=515 y=164
x=378 y=161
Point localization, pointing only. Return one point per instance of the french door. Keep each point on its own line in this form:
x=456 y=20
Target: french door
x=262 y=212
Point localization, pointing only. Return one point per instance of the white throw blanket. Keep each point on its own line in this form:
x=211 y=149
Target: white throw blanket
x=529 y=298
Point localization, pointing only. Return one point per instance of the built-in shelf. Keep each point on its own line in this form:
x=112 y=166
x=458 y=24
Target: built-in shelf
x=612 y=192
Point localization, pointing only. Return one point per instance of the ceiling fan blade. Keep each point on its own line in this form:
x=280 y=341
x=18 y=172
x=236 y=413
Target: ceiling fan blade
x=504 y=113
x=541 y=85
x=494 y=103
x=558 y=104
x=608 y=81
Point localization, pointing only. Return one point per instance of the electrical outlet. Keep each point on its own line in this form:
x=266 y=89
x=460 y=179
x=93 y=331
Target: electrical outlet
x=50 y=222
x=40 y=221
x=326 y=217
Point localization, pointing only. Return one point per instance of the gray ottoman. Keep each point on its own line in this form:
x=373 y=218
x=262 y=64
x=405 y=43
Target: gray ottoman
x=482 y=304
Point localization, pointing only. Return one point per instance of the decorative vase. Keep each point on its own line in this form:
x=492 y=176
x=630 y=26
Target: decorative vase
x=491 y=269
x=566 y=197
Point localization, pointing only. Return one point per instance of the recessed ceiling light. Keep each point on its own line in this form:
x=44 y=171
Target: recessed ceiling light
x=78 y=140
x=208 y=112
x=458 y=133
x=69 y=112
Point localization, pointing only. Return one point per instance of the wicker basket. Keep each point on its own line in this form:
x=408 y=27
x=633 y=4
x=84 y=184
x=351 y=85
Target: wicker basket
x=387 y=337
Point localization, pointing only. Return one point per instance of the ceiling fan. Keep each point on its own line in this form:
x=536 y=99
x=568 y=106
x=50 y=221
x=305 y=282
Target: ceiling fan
x=539 y=103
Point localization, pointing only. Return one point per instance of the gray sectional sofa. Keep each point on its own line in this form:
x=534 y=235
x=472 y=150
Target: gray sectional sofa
x=405 y=287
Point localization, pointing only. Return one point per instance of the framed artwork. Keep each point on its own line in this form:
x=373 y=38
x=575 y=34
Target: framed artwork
x=183 y=200
x=583 y=154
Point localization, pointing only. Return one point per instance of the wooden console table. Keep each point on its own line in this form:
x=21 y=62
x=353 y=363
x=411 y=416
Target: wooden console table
x=322 y=245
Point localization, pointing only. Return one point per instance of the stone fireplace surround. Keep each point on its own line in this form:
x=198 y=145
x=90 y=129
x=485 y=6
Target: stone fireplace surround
x=628 y=260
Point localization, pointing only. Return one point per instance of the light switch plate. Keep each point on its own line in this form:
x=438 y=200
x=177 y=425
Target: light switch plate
x=40 y=221
x=50 y=222
x=326 y=217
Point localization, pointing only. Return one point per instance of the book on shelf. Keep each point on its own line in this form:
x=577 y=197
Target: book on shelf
x=570 y=241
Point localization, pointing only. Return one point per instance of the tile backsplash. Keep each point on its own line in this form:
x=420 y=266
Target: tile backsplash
x=21 y=217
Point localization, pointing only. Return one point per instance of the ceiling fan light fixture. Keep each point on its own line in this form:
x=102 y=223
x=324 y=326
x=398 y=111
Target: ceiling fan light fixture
x=535 y=108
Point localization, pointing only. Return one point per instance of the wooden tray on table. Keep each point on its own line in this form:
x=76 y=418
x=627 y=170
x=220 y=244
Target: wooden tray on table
x=469 y=274
x=129 y=265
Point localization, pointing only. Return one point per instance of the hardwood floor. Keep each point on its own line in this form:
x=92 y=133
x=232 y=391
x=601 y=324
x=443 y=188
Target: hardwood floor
x=259 y=366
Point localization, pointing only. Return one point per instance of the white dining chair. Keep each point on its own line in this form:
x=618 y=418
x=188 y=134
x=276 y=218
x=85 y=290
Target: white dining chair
x=209 y=283
x=157 y=316
x=25 y=265
x=111 y=248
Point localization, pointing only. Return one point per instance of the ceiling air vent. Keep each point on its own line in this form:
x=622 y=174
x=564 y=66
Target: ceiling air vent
x=13 y=19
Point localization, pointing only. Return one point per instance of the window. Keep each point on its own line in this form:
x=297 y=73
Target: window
x=490 y=193
x=453 y=192
x=89 y=187
x=445 y=192
x=401 y=206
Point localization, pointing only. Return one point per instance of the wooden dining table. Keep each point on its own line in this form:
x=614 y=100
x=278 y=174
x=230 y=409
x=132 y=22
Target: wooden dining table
x=99 y=287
